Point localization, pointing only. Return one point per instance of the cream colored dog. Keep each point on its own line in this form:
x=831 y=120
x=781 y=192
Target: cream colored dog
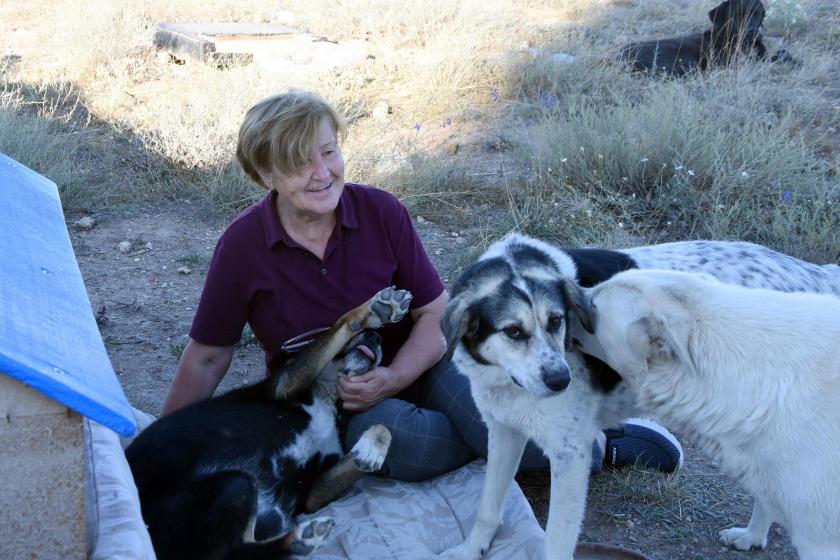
x=751 y=375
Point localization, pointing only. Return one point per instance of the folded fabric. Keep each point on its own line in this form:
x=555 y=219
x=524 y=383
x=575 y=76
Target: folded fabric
x=391 y=520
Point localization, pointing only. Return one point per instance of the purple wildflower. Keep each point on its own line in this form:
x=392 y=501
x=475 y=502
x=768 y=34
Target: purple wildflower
x=548 y=100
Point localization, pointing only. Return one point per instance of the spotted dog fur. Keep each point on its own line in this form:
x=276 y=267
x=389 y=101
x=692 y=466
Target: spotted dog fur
x=741 y=263
x=508 y=327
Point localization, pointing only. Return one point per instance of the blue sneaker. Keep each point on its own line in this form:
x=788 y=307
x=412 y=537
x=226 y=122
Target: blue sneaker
x=643 y=442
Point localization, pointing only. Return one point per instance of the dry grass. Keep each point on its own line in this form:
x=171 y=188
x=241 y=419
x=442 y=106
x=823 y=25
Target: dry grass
x=586 y=153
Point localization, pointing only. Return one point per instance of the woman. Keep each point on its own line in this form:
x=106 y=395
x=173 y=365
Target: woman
x=310 y=250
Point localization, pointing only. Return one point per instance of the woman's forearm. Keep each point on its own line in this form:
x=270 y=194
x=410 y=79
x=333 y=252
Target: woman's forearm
x=425 y=344
x=199 y=372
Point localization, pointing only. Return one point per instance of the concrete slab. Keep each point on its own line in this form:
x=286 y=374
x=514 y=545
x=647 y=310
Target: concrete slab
x=267 y=44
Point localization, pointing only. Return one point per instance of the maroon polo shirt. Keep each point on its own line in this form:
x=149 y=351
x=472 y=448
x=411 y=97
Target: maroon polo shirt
x=262 y=277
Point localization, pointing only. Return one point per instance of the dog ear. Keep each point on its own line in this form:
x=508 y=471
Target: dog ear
x=720 y=14
x=457 y=321
x=578 y=300
x=644 y=338
x=661 y=342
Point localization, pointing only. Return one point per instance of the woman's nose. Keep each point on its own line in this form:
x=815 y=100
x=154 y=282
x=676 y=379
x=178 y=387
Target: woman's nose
x=319 y=169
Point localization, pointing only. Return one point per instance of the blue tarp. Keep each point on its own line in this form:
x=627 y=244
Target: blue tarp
x=49 y=339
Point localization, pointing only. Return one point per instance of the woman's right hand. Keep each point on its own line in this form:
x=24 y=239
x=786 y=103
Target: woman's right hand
x=199 y=372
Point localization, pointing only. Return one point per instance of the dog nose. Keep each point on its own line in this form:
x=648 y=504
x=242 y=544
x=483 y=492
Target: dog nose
x=556 y=379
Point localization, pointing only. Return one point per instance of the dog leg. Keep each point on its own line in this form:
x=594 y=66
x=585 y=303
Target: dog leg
x=309 y=535
x=387 y=306
x=301 y=540
x=754 y=535
x=366 y=456
x=505 y=447
x=569 y=482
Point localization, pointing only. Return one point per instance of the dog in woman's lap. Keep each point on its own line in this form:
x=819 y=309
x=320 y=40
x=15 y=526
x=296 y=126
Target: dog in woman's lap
x=226 y=477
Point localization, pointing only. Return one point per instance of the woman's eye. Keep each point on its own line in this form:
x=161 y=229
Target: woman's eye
x=513 y=332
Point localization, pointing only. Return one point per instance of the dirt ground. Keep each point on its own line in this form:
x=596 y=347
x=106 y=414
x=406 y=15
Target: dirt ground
x=144 y=300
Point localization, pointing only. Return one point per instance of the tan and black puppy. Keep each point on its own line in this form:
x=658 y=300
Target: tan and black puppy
x=735 y=30
x=226 y=477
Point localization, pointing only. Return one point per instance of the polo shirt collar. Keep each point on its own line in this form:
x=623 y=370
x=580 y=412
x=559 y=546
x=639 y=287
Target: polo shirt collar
x=276 y=233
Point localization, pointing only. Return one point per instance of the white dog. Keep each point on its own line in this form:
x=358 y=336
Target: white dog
x=752 y=375
x=507 y=329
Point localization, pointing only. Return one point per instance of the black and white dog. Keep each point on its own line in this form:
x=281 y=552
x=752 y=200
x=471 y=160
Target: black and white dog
x=507 y=326
x=225 y=477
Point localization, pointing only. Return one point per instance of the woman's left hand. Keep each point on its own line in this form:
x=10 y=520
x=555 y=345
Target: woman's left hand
x=361 y=392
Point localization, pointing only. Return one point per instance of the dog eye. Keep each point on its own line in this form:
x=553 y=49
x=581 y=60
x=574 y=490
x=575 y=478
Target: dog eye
x=514 y=332
x=554 y=323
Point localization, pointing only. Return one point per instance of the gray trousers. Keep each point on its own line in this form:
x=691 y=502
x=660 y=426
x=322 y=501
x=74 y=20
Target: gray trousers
x=436 y=428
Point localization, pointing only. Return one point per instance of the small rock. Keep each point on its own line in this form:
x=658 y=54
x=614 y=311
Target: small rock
x=184 y=270
x=149 y=245
x=85 y=222
x=421 y=220
x=561 y=57
x=381 y=111
x=124 y=246
x=452 y=148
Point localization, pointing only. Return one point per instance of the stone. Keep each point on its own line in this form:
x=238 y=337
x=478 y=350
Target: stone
x=381 y=111
x=85 y=223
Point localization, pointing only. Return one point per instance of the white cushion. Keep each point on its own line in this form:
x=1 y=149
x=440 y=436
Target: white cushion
x=115 y=528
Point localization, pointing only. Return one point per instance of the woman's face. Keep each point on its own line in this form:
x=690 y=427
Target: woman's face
x=315 y=188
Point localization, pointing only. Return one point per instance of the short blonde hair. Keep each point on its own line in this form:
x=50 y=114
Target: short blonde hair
x=281 y=131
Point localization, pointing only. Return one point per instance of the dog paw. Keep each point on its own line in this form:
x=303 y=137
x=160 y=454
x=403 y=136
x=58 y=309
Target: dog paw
x=740 y=538
x=370 y=451
x=311 y=534
x=388 y=306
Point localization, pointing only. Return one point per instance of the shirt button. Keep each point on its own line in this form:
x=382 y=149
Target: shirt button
x=323 y=271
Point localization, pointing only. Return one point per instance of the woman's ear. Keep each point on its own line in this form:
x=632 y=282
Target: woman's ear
x=265 y=177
